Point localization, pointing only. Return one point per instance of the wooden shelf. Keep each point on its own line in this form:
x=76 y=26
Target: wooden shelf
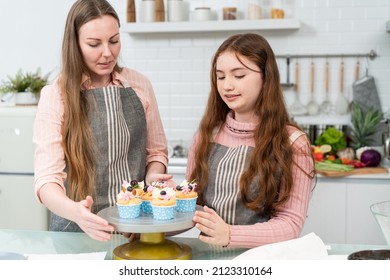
x=210 y=26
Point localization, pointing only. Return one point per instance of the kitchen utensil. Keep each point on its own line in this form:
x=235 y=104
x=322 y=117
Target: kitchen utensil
x=313 y=107
x=381 y=212
x=342 y=102
x=357 y=70
x=326 y=105
x=297 y=108
x=386 y=144
x=365 y=93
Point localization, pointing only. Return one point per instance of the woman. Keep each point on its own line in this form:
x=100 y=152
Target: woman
x=253 y=166
x=96 y=125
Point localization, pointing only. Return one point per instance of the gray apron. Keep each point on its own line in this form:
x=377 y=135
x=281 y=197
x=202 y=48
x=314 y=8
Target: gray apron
x=118 y=124
x=223 y=193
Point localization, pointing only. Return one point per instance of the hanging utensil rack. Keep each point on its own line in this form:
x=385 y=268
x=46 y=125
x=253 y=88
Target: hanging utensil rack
x=370 y=55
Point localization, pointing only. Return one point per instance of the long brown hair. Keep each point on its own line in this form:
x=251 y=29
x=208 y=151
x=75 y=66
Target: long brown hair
x=272 y=157
x=77 y=137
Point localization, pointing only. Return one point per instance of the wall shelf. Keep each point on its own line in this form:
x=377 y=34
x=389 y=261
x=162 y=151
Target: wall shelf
x=210 y=26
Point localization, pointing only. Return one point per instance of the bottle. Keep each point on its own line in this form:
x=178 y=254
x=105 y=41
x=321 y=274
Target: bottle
x=131 y=11
x=159 y=10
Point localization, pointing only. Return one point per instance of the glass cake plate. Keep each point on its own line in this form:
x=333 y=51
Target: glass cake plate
x=146 y=223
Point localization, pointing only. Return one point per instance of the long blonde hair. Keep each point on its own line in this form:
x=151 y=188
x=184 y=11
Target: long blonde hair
x=272 y=157
x=77 y=139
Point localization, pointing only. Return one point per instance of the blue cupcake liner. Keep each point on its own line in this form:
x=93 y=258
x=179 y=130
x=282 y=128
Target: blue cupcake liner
x=164 y=212
x=186 y=204
x=146 y=207
x=129 y=211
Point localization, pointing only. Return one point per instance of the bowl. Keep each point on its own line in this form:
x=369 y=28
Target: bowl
x=381 y=212
x=370 y=255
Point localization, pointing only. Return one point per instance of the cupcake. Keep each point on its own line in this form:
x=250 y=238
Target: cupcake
x=137 y=188
x=128 y=205
x=147 y=197
x=186 y=196
x=163 y=203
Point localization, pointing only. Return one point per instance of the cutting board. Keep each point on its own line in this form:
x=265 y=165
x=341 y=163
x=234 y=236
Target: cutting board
x=356 y=171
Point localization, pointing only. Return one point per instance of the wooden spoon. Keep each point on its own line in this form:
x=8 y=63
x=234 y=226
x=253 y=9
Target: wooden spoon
x=313 y=107
x=342 y=102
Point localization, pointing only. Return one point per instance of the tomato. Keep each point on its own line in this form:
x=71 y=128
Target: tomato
x=358 y=164
x=331 y=157
x=346 y=161
x=318 y=156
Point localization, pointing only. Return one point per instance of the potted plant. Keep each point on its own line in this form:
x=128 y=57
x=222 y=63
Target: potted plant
x=25 y=87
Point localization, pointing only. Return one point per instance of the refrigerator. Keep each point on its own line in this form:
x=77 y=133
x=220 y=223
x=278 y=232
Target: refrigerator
x=19 y=209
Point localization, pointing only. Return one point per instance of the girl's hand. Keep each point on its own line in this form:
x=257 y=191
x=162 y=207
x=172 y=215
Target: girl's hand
x=157 y=177
x=93 y=225
x=215 y=230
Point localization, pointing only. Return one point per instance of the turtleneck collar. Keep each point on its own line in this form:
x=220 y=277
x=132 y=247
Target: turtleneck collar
x=239 y=127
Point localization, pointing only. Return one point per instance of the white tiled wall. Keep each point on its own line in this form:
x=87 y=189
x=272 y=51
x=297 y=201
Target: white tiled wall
x=178 y=64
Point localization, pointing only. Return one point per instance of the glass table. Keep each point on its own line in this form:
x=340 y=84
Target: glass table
x=27 y=242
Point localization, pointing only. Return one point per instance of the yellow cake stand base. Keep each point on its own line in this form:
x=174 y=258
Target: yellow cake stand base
x=152 y=246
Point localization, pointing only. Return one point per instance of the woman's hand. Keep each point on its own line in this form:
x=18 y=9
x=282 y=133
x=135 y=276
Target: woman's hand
x=93 y=225
x=215 y=230
x=155 y=172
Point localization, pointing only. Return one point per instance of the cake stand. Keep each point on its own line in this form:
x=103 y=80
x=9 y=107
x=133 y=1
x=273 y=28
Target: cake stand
x=152 y=244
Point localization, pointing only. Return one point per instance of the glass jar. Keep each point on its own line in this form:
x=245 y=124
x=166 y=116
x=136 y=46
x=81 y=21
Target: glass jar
x=254 y=10
x=229 y=13
x=277 y=10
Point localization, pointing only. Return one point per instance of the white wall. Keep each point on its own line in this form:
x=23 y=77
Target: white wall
x=178 y=64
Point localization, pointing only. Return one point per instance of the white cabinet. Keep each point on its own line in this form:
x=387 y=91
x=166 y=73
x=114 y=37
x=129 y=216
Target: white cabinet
x=327 y=212
x=18 y=207
x=339 y=210
x=362 y=227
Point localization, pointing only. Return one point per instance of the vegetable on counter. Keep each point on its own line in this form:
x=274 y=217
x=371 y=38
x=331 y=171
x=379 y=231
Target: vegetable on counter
x=333 y=137
x=371 y=158
x=328 y=165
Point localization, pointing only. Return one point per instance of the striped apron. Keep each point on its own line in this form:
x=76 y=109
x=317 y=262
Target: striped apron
x=118 y=124
x=223 y=193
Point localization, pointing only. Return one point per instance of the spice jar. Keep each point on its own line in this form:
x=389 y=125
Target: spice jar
x=229 y=13
x=277 y=10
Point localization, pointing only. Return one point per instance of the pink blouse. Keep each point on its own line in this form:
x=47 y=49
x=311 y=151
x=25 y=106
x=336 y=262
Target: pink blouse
x=289 y=220
x=49 y=159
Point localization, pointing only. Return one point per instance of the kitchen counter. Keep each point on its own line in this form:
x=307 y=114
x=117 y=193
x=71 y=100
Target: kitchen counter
x=47 y=242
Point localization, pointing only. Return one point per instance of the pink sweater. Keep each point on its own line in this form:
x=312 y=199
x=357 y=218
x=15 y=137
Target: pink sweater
x=49 y=161
x=289 y=220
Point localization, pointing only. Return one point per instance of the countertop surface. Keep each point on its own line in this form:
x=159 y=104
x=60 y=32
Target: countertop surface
x=46 y=242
